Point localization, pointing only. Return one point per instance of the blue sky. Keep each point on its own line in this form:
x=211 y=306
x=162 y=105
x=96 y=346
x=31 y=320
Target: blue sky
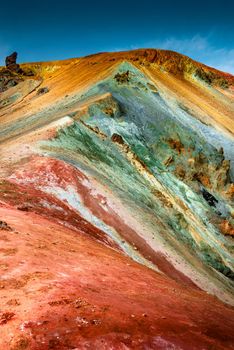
x=54 y=29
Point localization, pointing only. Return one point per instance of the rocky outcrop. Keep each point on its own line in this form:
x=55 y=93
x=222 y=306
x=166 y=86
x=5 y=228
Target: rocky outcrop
x=13 y=74
x=8 y=79
x=11 y=63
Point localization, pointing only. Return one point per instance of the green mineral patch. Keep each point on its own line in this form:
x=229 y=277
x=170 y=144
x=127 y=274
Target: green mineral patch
x=134 y=128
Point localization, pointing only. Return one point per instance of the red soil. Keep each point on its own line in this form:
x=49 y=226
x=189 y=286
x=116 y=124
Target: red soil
x=27 y=197
x=62 y=290
x=43 y=171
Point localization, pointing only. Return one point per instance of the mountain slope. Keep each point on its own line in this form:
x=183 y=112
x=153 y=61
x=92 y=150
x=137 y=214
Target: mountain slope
x=132 y=153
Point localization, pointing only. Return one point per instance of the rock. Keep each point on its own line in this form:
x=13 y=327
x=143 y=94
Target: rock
x=211 y=200
x=11 y=63
x=122 y=78
x=230 y=191
x=180 y=172
x=8 y=79
x=152 y=88
x=163 y=199
x=20 y=343
x=11 y=83
x=11 y=59
x=117 y=138
x=42 y=90
x=202 y=178
x=168 y=161
x=5 y=226
x=6 y=317
x=226 y=228
x=28 y=72
x=109 y=111
x=176 y=145
x=23 y=207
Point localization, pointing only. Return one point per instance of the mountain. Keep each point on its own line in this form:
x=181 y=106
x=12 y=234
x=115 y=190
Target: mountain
x=116 y=207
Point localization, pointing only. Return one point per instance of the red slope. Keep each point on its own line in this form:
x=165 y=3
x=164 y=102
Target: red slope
x=49 y=300
x=27 y=185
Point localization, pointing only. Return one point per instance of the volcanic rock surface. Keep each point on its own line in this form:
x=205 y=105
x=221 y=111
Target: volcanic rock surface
x=116 y=204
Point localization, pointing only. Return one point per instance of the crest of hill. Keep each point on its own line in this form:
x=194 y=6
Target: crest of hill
x=169 y=61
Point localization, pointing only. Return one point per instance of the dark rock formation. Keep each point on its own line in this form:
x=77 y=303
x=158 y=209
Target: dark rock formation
x=11 y=63
x=211 y=200
x=11 y=59
x=12 y=74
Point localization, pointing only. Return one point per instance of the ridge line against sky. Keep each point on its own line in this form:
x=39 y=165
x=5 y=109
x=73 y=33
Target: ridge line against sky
x=196 y=47
x=55 y=30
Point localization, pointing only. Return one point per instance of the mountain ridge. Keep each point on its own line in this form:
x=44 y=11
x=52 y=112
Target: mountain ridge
x=163 y=53
x=117 y=171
